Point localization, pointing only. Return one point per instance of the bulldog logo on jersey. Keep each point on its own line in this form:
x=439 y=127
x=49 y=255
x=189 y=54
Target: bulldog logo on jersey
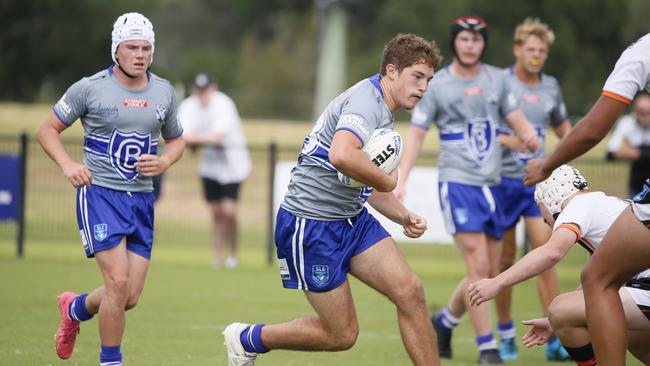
x=480 y=136
x=124 y=149
x=320 y=274
x=161 y=112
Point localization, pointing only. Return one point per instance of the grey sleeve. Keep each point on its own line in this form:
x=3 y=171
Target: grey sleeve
x=359 y=116
x=171 y=128
x=507 y=100
x=72 y=104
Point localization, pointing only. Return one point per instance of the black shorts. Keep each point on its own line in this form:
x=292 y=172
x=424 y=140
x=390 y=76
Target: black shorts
x=215 y=191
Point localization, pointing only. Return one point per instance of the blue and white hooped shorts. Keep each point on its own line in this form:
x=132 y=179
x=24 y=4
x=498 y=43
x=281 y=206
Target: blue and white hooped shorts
x=105 y=216
x=315 y=255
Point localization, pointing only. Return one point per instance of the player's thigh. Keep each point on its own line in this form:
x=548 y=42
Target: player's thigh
x=114 y=262
x=138 y=267
x=474 y=247
x=635 y=318
x=335 y=308
x=638 y=342
x=509 y=246
x=538 y=232
x=623 y=252
x=384 y=268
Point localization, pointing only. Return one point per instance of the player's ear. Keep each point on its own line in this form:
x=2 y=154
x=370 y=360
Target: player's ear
x=391 y=72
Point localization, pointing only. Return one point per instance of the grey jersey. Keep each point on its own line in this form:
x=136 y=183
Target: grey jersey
x=119 y=125
x=543 y=105
x=467 y=113
x=315 y=191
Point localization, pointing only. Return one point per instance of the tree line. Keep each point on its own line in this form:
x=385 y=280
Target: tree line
x=263 y=53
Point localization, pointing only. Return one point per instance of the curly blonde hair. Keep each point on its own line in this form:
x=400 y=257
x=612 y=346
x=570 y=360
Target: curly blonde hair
x=533 y=27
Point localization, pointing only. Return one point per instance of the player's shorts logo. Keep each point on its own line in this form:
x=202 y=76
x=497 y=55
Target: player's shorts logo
x=461 y=215
x=320 y=274
x=124 y=149
x=480 y=136
x=100 y=231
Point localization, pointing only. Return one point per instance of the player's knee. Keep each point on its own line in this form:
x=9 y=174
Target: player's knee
x=345 y=339
x=590 y=279
x=558 y=312
x=479 y=269
x=117 y=284
x=132 y=301
x=409 y=292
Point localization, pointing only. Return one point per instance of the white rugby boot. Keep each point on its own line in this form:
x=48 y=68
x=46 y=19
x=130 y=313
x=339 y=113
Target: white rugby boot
x=237 y=356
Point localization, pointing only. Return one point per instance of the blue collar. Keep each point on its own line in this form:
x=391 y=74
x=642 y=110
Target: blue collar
x=374 y=80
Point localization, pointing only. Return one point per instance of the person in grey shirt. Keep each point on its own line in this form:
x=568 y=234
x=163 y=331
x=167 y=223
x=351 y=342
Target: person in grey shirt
x=124 y=111
x=323 y=232
x=466 y=100
x=540 y=98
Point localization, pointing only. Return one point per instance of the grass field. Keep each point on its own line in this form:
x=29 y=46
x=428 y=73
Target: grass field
x=187 y=303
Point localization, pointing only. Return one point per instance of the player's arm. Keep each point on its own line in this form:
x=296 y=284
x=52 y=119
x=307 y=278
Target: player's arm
x=627 y=151
x=588 y=132
x=414 y=139
x=150 y=165
x=511 y=142
x=48 y=136
x=348 y=158
x=211 y=138
x=562 y=129
x=523 y=129
x=532 y=264
x=388 y=205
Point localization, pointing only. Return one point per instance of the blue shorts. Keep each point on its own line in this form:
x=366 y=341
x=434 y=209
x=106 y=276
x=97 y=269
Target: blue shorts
x=517 y=201
x=105 y=216
x=314 y=255
x=471 y=209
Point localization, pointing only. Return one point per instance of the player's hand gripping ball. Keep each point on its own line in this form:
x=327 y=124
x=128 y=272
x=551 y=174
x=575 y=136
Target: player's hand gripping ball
x=384 y=149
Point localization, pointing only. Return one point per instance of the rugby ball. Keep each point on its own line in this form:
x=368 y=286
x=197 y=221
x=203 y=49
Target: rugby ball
x=384 y=149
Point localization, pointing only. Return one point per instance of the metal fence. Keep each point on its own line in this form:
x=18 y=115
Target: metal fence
x=182 y=217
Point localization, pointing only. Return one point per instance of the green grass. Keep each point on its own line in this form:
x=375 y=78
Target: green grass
x=186 y=304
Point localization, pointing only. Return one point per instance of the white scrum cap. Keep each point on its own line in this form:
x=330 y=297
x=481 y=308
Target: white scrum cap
x=563 y=182
x=131 y=26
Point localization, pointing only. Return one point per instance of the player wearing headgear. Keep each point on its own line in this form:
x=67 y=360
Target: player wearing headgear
x=540 y=98
x=323 y=232
x=466 y=100
x=577 y=216
x=124 y=111
x=625 y=250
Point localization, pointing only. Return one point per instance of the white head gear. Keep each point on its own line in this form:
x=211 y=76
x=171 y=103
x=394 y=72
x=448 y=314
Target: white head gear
x=563 y=182
x=131 y=26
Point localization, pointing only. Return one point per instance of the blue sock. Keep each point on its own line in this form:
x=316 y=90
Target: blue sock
x=77 y=310
x=486 y=342
x=447 y=321
x=251 y=339
x=110 y=356
x=506 y=330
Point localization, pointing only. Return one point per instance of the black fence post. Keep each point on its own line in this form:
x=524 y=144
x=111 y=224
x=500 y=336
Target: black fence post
x=20 y=236
x=270 y=238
